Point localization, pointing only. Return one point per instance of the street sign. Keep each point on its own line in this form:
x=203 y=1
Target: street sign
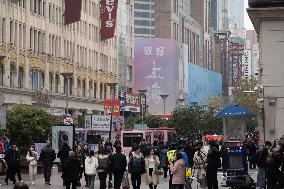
x=101 y=122
x=2 y=118
x=68 y=120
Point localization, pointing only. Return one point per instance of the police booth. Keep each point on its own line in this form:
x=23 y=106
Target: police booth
x=233 y=151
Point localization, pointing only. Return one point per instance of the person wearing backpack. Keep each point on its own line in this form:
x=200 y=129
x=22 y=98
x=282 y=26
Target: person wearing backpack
x=118 y=165
x=136 y=167
x=103 y=168
x=261 y=159
x=91 y=165
x=213 y=163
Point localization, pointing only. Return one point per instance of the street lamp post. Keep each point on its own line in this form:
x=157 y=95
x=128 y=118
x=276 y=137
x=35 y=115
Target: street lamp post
x=67 y=76
x=112 y=97
x=142 y=95
x=164 y=96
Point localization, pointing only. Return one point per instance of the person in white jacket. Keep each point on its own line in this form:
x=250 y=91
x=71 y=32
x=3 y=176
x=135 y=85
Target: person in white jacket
x=32 y=157
x=91 y=165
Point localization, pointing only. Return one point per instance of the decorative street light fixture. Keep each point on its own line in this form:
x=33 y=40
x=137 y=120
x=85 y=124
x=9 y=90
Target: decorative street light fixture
x=142 y=103
x=67 y=76
x=164 y=96
x=112 y=97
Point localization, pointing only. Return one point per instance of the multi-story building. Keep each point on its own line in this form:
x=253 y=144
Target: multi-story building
x=125 y=41
x=173 y=21
x=144 y=18
x=252 y=44
x=36 y=47
x=236 y=18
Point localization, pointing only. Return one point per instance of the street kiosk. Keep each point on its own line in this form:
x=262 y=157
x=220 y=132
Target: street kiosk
x=233 y=151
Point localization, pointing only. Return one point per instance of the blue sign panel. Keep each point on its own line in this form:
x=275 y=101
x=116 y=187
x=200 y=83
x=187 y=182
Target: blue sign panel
x=203 y=84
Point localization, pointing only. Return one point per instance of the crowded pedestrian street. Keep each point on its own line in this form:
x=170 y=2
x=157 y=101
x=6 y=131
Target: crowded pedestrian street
x=56 y=182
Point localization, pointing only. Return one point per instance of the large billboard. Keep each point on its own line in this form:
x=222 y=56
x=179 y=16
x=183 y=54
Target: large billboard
x=154 y=70
x=203 y=84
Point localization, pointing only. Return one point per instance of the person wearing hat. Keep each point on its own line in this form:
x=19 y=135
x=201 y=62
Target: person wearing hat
x=47 y=156
x=72 y=171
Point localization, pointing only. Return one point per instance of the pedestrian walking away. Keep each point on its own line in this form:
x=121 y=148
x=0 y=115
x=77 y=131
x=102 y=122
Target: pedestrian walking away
x=12 y=159
x=136 y=167
x=32 y=159
x=118 y=165
x=91 y=165
x=178 y=171
x=63 y=154
x=213 y=163
x=47 y=156
x=103 y=168
x=72 y=171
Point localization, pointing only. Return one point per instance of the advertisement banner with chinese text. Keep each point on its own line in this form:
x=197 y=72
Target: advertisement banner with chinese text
x=156 y=71
x=132 y=102
x=108 y=10
x=113 y=105
x=101 y=122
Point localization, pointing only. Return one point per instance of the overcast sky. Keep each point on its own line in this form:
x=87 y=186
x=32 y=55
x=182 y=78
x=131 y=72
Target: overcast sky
x=248 y=24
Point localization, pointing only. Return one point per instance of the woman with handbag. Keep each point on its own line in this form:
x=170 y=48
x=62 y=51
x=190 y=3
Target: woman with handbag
x=152 y=164
x=32 y=159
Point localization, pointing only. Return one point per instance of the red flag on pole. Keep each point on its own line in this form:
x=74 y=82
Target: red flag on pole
x=108 y=18
x=72 y=11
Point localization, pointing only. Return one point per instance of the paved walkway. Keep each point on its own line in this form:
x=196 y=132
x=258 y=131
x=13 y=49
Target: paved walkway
x=56 y=182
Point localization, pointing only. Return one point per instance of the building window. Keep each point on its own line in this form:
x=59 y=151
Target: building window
x=105 y=92
x=21 y=77
x=57 y=83
x=95 y=90
x=129 y=73
x=36 y=79
x=79 y=87
x=90 y=88
x=84 y=88
x=13 y=74
x=101 y=91
x=1 y=72
x=50 y=81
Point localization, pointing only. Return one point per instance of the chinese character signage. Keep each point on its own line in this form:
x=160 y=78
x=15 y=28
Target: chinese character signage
x=101 y=122
x=237 y=51
x=132 y=102
x=88 y=122
x=156 y=71
x=246 y=64
x=114 y=105
x=108 y=18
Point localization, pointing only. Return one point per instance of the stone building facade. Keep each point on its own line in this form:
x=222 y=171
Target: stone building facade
x=36 y=46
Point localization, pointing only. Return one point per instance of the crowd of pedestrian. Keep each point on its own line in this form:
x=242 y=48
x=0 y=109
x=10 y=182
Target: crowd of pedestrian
x=171 y=161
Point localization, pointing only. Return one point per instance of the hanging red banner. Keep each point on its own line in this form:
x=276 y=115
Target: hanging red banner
x=108 y=17
x=72 y=11
x=112 y=105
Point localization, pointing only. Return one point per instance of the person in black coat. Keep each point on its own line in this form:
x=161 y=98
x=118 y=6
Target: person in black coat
x=72 y=171
x=213 y=163
x=118 y=165
x=47 y=156
x=12 y=159
x=63 y=154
